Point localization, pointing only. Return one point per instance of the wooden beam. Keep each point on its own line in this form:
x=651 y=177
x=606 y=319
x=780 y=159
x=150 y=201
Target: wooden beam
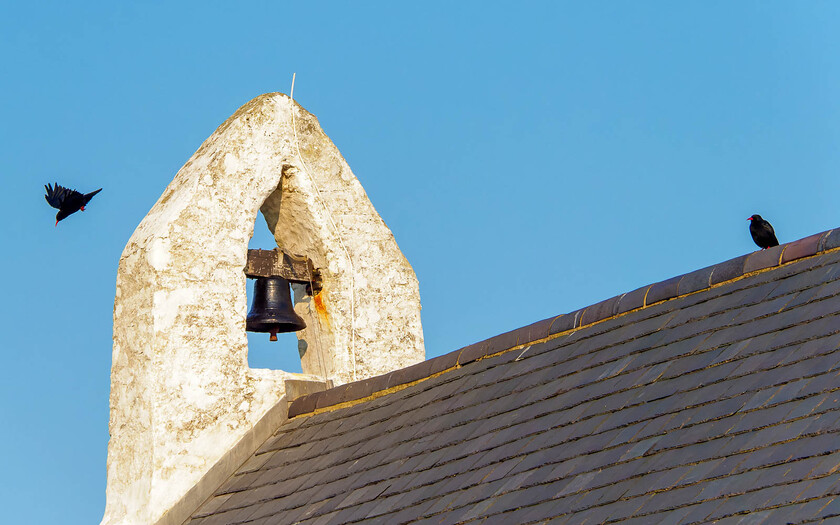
x=276 y=263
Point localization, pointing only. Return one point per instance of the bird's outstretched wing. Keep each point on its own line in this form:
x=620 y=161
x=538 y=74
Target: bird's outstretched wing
x=89 y=196
x=58 y=194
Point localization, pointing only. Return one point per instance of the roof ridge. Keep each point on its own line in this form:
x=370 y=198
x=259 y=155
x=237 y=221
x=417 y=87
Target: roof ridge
x=679 y=286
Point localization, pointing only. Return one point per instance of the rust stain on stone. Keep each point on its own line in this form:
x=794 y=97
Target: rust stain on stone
x=321 y=307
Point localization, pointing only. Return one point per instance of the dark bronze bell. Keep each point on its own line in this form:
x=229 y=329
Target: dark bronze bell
x=271 y=309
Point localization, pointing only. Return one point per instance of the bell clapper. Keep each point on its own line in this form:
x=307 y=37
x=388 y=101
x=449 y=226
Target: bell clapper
x=273 y=335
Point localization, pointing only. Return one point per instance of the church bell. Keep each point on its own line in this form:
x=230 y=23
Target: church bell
x=271 y=309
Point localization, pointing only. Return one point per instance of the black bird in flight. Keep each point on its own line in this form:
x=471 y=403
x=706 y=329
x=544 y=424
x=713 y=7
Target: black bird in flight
x=762 y=232
x=67 y=201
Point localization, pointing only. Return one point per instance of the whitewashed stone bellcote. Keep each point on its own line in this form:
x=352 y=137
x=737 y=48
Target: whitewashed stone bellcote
x=182 y=393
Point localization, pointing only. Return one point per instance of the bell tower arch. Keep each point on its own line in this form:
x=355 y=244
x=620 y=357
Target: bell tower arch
x=182 y=393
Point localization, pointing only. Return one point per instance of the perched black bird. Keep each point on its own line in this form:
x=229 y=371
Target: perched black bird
x=67 y=201
x=762 y=232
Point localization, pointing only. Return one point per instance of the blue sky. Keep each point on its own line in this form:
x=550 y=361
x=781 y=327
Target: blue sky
x=531 y=158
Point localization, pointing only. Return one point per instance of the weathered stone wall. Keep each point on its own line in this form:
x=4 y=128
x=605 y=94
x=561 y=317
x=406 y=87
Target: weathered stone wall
x=181 y=390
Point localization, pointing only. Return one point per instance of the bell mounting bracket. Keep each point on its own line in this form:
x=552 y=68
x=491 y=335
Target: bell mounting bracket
x=277 y=263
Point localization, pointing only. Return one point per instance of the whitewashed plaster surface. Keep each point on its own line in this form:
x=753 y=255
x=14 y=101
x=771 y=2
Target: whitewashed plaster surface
x=181 y=390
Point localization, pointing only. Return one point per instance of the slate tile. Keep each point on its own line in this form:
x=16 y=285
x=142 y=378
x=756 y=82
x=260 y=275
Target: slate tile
x=598 y=514
x=786 y=287
x=831 y=240
x=303 y=405
x=804 y=266
x=353 y=497
x=803 y=297
x=821 y=422
x=830 y=289
x=545 y=511
x=211 y=505
x=268 y=520
x=760 y=310
x=826 y=464
x=508 y=516
x=403 y=515
x=274 y=507
x=695 y=281
x=540 y=329
x=831 y=511
x=472 y=352
x=833 y=271
x=356 y=390
x=256 y=462
x=619 y=510
x=728 y=270
x=672 y=517
x=329 y=397
x=793 y=513
x=565 y=322
x=443 y=362
x=474 y=495
x=650 y=504
x=507 y=340
x=238 y=515
x=647 y=331
x=631 y=300
x=801 y=248
x=387 y=504
x=599 y=311
x=789 y=391
x=763 y=259
x=744 y=377
x=818 y=487
x=731 y=512
x=663 y=290
x=547 y=351
x=222 y=518
x=751 y=294
x=324 y=519
x=410 y=374
x=818 y=309
x=358 y=511
x=700 y=512
x=806 y=407
x=378 y=383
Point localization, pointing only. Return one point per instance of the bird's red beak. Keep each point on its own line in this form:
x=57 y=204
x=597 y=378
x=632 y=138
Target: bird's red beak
x=749 y=218
x=56 y=223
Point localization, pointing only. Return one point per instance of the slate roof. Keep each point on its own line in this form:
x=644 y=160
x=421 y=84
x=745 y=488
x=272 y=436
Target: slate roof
x=713 y=396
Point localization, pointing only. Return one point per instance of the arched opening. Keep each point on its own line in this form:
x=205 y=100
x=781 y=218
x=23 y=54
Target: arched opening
x=263 y=353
